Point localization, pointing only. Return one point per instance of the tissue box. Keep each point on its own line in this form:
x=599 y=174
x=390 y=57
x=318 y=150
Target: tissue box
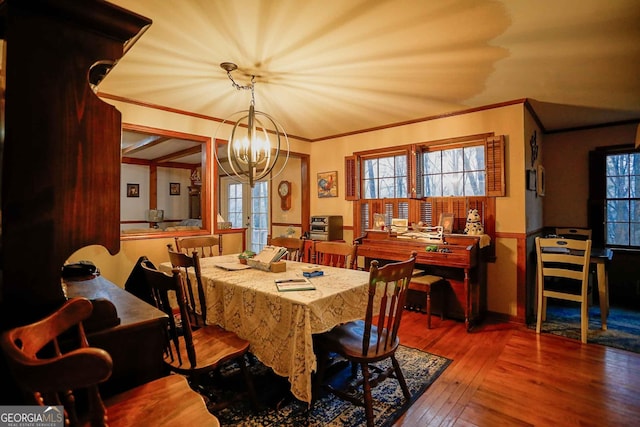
x=274 y=267
x=278 y=267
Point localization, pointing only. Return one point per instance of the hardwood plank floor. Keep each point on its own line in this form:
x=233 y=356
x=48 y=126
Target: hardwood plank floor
x=504 y=374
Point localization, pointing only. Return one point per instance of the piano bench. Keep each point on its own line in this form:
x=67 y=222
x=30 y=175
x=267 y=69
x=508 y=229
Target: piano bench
x=424 y=284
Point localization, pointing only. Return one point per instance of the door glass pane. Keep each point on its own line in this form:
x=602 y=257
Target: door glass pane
x=235 y=214
x=259 y=228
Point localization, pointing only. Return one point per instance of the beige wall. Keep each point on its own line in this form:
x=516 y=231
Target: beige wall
x=510 y=215
x=510 y=210
x=566 y=161
x=118 y=267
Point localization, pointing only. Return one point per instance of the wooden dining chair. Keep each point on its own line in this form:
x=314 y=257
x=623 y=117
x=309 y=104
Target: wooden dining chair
x=335 y=254
x=35 y=356
x=194 y=352
x=365 y=342
x=197 y=308
x=581 y=234
x=207 y=246
x=574 y=233
x=294 y=246
x=563 y=273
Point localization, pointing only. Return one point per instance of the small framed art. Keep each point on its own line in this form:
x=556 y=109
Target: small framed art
x=328 y=184
x=531 y=180
x=540 y=187
x=446 y=222
x=133 y=190
x=174 y=188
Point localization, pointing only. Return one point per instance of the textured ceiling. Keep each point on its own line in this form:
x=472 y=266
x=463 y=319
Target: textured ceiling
x=330 y=67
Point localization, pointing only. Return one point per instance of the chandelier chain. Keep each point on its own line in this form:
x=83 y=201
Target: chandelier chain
x=244 y=87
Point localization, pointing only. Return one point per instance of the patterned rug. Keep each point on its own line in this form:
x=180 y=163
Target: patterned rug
x=623 y=326
x=280 y=408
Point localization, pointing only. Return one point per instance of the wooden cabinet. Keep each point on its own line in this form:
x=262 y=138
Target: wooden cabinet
x=135 y=339
x=61 y=160
x=61 y=153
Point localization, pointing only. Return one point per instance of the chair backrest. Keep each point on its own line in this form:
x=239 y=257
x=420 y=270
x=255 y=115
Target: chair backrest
x=391 y=283
x=184 y=263
x=559 y=258
x=335 y=254
x=294 y=246
x=51 y=375
x=206 y=246
x=574 y=233
x=169 y=295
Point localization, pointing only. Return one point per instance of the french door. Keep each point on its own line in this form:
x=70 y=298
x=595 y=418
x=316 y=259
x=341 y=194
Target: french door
x=247 y=207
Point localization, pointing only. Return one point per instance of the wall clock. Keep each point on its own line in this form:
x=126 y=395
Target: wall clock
x=284 y=190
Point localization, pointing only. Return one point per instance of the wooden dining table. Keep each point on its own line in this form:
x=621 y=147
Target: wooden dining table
x=280 y=325
x=601 y=257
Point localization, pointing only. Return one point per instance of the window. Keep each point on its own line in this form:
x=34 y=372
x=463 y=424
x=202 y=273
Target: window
x=419 y=182
x=235 y=205
x=385 y=177
x=622 y=205
x=454 y=172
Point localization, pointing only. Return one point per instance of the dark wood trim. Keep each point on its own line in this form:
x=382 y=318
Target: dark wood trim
x=529 y=107
x=600 y=125
x=285 y=224
x=175 y=110
x=422 y=119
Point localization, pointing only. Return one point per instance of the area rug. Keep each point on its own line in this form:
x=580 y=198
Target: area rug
x=280 y=408
x=623 y=326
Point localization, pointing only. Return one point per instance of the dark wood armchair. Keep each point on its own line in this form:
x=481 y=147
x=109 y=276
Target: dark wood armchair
x=197 y=309
x=193 y=352
x=41 y=368
x=294 y=246
x=365 y=342
x=206 y=246
x=335 y=254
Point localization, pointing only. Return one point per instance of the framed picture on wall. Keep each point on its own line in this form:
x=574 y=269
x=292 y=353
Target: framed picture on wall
x=540 y=181
x=133 y=190
x=328 y=184
x=531 y=180
x=446 y=222
x=174 y=188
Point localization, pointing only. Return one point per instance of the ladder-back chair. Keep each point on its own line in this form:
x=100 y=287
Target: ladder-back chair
x=365 y=342
x=574 y=233
x=563 y=273
x=54 y=377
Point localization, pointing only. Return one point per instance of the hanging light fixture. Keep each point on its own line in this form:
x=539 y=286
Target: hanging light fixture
x=255 y=143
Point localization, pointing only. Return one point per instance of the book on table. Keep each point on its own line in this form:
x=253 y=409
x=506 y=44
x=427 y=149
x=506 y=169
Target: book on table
x=298 y=284
x=270 y=254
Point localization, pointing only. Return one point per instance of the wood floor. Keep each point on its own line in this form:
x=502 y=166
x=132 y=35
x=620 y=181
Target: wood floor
x=507 y=375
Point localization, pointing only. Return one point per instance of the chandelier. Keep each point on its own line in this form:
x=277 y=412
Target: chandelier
x=254 y=146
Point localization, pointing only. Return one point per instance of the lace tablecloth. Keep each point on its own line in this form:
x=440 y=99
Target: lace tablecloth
x=280 y=325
